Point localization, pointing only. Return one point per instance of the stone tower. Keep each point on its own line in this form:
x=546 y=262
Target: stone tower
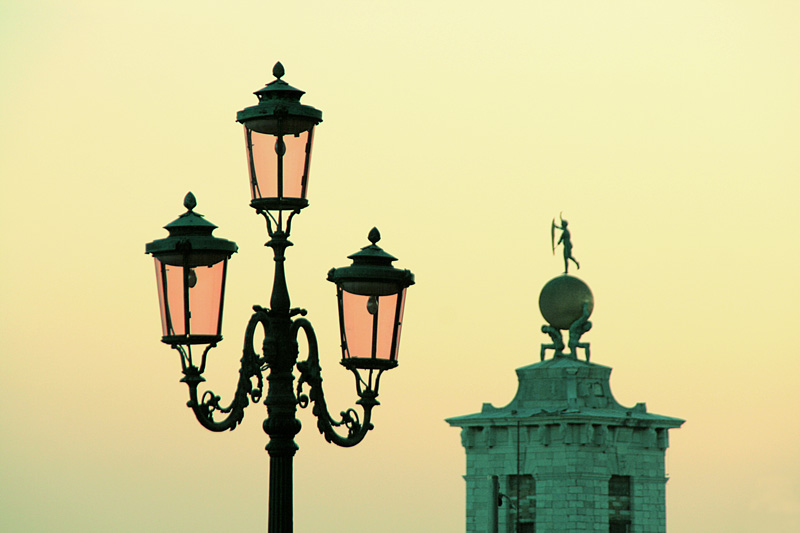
x=564 y=456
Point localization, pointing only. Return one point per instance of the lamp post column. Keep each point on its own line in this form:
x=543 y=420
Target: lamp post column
x=281 y=424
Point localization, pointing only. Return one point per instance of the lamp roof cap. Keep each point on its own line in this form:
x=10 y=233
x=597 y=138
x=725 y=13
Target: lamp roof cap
x=193 y=230
x=372 y=262
x=278 y=98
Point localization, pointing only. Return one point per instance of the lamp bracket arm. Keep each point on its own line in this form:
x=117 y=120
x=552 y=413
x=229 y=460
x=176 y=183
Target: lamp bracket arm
x=289 y=221
x=270 y=218
x=311 y=374
x=252 y=366
x=278 y=222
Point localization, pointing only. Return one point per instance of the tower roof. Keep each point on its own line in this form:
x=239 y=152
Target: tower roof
x=564 y=389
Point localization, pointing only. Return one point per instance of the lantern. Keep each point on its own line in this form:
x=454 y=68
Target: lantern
x=191 y=265
x=279 y=132
x=371 y=294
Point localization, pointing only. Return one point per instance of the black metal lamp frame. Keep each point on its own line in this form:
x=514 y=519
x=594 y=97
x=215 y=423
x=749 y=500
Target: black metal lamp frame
x=279 y=356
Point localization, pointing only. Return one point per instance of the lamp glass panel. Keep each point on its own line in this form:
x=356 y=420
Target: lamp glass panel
x=198 y=289
x=263 y=164
x=372 y=325
x=205 y=299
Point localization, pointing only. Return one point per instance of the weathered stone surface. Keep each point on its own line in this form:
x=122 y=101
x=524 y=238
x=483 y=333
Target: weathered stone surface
x=565 y=429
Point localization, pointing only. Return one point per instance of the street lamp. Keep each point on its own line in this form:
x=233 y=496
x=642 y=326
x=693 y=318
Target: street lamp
x=191 y=267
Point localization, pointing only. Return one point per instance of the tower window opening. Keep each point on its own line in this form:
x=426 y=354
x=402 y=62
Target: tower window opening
x=522 y=493
x=619 y=504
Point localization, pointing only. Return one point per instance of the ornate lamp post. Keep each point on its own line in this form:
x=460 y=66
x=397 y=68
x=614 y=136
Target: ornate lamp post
x=191 y=266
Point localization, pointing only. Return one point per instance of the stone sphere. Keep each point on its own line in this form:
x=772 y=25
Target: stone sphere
x=561 y=300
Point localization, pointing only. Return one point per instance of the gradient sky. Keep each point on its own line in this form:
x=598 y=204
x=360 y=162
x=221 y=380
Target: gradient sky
x=667 y=133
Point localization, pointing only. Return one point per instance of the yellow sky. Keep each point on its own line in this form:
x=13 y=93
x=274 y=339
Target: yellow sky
x=666 y=132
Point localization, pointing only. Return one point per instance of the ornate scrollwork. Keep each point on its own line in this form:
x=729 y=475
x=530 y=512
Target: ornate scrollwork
x=311 y=374
x=250 y=386
x=252 y=366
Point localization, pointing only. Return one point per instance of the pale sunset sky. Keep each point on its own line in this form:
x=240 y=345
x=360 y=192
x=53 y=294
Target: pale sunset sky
x=667 y=132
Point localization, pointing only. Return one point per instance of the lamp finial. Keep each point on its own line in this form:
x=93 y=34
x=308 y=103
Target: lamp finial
x=189 y=202
x=374 y=235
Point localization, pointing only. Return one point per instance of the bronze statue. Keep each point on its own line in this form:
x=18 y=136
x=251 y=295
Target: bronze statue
x=566 y=240
x=576 y=331
x=566 y=303
x=557 y=344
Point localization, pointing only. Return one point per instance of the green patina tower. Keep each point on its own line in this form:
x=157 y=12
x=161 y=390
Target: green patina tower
x=564 y=456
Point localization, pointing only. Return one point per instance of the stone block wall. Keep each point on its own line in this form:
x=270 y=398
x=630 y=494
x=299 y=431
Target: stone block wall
x=571 y=465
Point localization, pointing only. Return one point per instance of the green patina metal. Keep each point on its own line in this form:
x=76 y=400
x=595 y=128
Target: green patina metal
x=371 y=272
x=562 y=300
x=566 y=303
x=190 y=245
x=276 y=100
x=279 y=113
x=190 y=242
x=566 y=240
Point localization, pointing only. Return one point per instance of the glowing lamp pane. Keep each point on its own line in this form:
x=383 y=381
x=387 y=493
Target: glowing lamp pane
x=190 y=300
x=273 y=175
x=372 y=324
